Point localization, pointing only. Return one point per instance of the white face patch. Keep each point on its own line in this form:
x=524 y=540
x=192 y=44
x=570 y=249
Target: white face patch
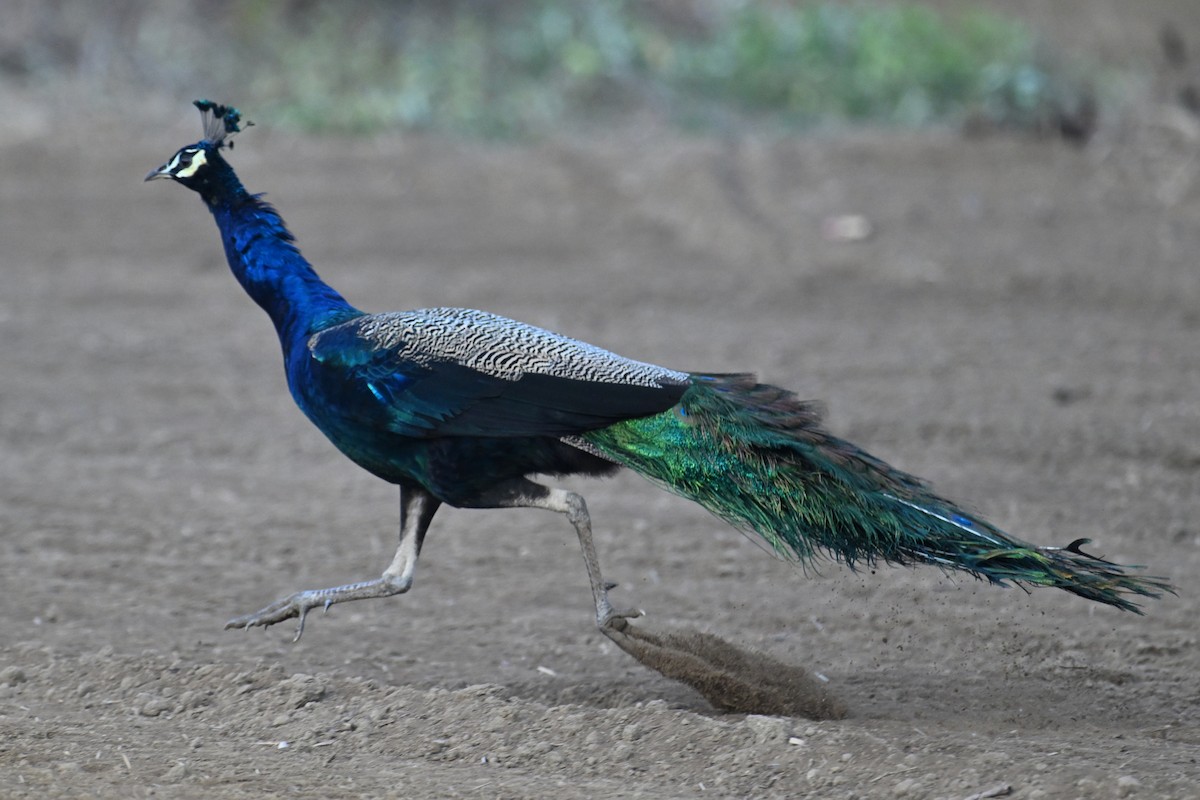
x=198 y=161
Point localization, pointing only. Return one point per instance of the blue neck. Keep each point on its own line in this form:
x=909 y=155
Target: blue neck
x=264 y=258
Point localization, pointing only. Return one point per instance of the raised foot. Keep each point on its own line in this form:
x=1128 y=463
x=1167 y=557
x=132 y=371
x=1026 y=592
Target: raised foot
x=613 y=620
x=297 y=605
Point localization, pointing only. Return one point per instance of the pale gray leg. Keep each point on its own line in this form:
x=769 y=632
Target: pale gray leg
x=523 y=493
x=417 y=508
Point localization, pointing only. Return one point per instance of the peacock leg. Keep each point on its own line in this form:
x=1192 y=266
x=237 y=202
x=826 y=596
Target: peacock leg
x=727 y=676
x=417 y=508
x=523 y=493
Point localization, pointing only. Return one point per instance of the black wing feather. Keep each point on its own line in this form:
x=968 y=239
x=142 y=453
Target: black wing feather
x=379 y=387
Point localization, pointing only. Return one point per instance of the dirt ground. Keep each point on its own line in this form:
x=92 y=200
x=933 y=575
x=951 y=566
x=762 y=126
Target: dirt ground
x=1022 y=328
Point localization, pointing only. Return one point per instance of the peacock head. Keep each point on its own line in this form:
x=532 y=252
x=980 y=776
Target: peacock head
x=200 y=166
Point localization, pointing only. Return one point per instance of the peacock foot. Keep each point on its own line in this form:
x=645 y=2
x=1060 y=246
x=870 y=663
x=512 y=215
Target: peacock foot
x=297 y=605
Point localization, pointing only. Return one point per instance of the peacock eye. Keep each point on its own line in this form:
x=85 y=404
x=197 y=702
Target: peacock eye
x=188 y=162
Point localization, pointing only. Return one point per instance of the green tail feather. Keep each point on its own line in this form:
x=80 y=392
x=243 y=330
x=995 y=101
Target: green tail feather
x=756 y=456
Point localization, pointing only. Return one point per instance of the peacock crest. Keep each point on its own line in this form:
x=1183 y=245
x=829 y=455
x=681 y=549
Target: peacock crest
x=220 y=122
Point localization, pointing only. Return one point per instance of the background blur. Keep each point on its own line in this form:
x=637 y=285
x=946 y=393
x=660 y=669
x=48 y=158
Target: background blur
x=532 y=67
x=972 y=230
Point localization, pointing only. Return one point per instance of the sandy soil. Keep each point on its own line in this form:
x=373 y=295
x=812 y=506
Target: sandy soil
x=1021 y=328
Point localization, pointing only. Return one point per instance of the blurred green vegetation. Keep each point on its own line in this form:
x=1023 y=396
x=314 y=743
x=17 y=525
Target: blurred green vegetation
x=527 y=67
x=901 y=64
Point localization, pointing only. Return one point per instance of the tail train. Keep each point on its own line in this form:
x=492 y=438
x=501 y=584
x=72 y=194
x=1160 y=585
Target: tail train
x=757 y=457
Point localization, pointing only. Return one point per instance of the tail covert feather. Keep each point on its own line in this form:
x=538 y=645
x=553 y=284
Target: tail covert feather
x=757 y=457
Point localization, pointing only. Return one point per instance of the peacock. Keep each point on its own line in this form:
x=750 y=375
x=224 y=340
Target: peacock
x=461 y=407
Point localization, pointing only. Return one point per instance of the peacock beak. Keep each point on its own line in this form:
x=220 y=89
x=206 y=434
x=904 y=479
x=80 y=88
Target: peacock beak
x=161 y=172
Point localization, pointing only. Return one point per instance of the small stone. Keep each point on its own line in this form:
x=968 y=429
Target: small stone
x=846 y=228
x=155 y=706
x=499 y=721
x=1127 y=785
x=904 y=787
x=303 y=689
x=11 y=676
x=176 y=773
x=767 y=730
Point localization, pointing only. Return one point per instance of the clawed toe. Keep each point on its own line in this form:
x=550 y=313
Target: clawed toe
x=276 y=612
x=297 y=605
x=619 y=620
